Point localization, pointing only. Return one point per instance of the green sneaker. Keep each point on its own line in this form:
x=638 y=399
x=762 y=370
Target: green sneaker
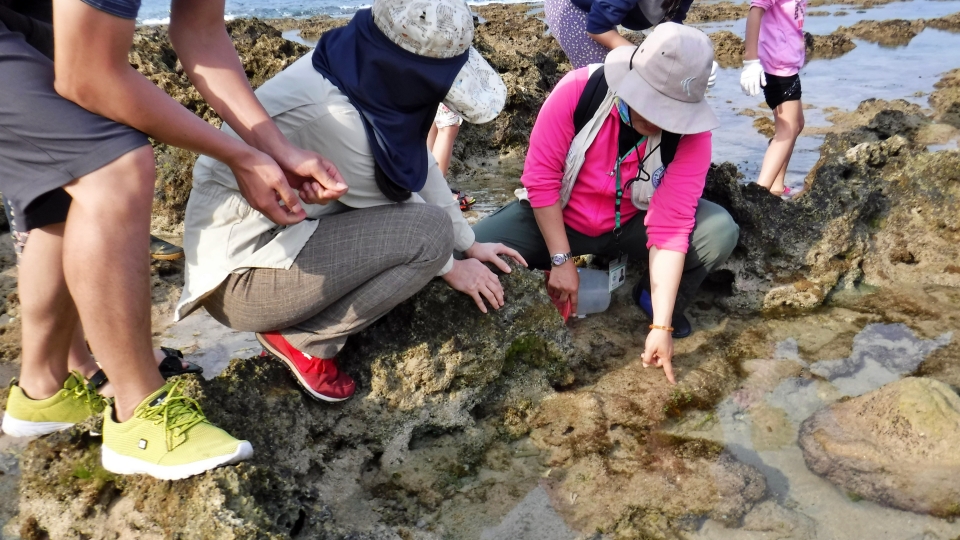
x=168 y=438
x=27 y=417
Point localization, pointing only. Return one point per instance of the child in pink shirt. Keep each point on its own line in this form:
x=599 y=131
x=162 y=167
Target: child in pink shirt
x=774 y=55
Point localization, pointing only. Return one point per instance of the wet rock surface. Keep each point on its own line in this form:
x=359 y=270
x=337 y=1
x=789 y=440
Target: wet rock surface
x=719 y=11
x=897 y=32
x=946 y=99
x=435 y=378
x=895 y=446
x=314 y=27
x=890 y=33
x=449 y=401
x=950 y=22
x=829 y=46
x=873 y=194
x=728 y=48
x=460 y=417
x=765 y=126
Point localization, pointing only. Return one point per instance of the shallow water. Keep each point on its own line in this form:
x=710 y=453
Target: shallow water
x=881 y=353
x=869 y=71
x=825 y=24
x=815 y=508
x=158 y=11
x=907 y=72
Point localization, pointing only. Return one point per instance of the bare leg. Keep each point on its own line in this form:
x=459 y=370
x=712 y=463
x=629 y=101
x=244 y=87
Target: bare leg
x=442 y=148
x=80 y=358
x=777 y=188
x=106 y=264
x=49 y=315
x=40 y=341
x=788 y=120
x=431 y=136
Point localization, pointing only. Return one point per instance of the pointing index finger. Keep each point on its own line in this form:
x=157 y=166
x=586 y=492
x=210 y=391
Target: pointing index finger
x=668 y=371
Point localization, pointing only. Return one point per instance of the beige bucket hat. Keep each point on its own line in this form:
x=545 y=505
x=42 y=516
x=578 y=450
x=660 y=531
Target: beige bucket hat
x=664 y=78
x=444 y=29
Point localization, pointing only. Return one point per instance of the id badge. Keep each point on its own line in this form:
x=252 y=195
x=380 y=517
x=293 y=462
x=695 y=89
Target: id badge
x=617 y=273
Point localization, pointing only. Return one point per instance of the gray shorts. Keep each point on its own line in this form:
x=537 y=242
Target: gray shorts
x=47 y=141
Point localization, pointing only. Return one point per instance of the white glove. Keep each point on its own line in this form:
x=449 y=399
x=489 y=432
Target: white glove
x=712 y=79
x=752 y=77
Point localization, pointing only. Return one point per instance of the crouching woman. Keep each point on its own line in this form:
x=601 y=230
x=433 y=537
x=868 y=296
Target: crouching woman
x=625 y=177
x=365 y=99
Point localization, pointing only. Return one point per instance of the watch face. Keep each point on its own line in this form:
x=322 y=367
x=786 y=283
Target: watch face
x=559 y=259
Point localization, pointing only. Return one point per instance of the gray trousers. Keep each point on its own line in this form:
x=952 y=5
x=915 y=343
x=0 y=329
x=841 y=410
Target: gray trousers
x=355 y=268
x=713 y=238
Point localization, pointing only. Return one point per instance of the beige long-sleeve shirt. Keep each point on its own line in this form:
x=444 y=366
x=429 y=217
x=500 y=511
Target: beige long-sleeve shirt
x=225 y=235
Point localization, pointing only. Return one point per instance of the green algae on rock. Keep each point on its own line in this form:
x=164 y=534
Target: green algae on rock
x=434 y=366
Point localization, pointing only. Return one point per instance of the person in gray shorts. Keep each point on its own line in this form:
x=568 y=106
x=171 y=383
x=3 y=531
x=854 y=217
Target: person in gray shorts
x=82 y=182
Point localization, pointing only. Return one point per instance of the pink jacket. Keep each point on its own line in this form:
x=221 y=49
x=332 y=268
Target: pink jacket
x=781 y=47
x=670 y=217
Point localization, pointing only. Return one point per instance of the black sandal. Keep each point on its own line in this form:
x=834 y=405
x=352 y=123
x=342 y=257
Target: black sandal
x=171 y=366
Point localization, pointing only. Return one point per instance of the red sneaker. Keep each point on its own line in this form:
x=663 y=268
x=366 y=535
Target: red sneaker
x=320 y=377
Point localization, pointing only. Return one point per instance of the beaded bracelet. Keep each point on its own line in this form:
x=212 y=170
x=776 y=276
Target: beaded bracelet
x=658 y=327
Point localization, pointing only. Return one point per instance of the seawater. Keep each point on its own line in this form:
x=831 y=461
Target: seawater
x=158 y=11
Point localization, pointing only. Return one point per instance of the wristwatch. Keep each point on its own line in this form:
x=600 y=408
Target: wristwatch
x=560 y=258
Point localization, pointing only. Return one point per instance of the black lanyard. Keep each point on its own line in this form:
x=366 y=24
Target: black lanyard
x=620 y=189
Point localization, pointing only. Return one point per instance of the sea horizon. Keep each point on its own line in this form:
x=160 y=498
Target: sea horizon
x=153 y=12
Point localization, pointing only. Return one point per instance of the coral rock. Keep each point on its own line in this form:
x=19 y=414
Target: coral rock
x=896 y=446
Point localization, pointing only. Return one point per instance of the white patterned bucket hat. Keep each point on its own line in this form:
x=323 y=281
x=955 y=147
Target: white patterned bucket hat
x=444 y=29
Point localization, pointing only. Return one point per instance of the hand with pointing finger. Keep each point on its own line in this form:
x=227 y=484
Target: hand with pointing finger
x=658 y=351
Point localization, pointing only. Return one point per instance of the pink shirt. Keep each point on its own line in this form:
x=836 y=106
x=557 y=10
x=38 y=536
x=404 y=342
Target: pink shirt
x=670 y=217
x=781 y=47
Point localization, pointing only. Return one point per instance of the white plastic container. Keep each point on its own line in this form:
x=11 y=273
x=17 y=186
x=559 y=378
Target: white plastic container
x=593 y=296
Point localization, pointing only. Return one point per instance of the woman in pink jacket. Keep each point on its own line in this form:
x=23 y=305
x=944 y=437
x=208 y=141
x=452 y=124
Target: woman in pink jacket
x=612 y=187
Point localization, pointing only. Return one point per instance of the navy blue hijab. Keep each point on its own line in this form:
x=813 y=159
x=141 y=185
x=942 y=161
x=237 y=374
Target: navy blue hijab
x=397 y=93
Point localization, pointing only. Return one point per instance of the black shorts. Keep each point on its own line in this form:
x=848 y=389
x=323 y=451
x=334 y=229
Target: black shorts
x=781 y=89
x=47 y=141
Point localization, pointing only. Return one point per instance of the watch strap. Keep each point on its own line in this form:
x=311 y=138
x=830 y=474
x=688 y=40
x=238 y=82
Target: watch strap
x=565 y=256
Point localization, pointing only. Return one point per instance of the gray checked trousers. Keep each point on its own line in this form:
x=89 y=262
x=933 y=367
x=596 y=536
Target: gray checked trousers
x=355 y=268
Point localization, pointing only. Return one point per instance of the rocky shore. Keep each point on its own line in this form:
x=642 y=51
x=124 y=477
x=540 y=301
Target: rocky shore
x=461 y=419
x=896 y=446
